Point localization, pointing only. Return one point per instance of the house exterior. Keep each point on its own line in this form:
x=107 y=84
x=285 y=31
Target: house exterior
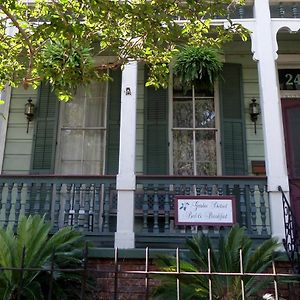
x=112 y=161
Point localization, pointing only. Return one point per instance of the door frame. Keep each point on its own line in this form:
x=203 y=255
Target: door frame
x=288 y=103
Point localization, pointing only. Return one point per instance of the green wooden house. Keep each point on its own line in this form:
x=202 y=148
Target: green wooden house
x=113 y=161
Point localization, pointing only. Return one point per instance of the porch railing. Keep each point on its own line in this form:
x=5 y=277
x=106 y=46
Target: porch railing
x=285 y=9
x=89 y=203
x=154 y=204
x=79 y=201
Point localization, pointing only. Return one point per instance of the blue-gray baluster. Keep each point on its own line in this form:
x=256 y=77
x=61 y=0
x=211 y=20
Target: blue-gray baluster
x=155 y=211
x=263 y=209
x=177 y=192
x=145 y=210
x=230 y=190
x=243 y=206
x=167 y=208
x=81 y=216
x=56 y=211
x=86 y=207
x=203 y=190
x=241 y=12
x=8 y=204
x=253 y=209
x=281 y=11
x=37 y=200
x=96 y=226
x=28 y=202
x=106 y=208
x=295 y=11
x=177 y=189
x=2 y=206
x=198 y=189
x=91 y=203
x=47 y=203
x=67 y=220
x=220 y=190
x=18 y=203
x=76 y=206
x=187 y=190
x=209 y=190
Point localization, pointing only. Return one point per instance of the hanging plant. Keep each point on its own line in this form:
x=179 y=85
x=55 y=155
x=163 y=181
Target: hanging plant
x=198 y=64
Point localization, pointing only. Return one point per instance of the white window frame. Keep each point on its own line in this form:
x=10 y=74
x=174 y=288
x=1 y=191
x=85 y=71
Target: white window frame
x=217 y=127
x=58 y=153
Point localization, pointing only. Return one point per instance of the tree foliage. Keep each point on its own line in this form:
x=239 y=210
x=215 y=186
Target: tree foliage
x=59 y=40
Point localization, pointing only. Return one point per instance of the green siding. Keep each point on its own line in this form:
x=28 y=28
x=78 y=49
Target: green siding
x=232 y=123
x=18 y=144
x=113 y=123
x=240 y=52
x=44 y=140
x=156 y=131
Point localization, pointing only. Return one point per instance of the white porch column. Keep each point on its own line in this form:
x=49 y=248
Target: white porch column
x=124 y=237
x=276 y=169
x=4 y=111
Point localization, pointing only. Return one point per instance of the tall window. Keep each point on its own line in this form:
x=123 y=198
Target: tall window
x=194 y=131
x=83 y=130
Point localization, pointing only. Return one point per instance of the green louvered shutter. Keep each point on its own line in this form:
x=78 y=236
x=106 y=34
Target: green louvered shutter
x=156 y=131
x=44 y=140
x=232 y=128
x=113 y=123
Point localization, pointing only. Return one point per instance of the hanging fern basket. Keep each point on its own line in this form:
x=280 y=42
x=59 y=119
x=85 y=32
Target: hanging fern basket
x=198 y=65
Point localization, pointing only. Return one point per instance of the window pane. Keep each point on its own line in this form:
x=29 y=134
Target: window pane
x=183 y=153
x=183 y=113
x=206 y=153
x=95 y=104
x=205 y=113
x=94 y=146
x=73 y=110
x=71 y=144
x=71 y=167
x=92 y=167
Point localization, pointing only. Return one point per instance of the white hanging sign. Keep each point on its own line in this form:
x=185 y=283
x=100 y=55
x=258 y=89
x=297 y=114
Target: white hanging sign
x=205 y=210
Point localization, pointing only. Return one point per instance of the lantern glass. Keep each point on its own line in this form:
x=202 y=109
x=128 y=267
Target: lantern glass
x=29 y=109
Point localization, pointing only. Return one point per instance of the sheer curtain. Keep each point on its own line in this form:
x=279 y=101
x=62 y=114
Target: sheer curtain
x=82 y=132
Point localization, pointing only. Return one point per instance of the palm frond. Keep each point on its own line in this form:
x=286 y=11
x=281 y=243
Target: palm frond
x=226 y=259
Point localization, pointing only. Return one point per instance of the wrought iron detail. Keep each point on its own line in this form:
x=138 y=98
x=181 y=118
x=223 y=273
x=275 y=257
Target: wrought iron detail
x=291 y=241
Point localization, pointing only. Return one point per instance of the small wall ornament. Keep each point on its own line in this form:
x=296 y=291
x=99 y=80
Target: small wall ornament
x=29 y=112
x=254 y=112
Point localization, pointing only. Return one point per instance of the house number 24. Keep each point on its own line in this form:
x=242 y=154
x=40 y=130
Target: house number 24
x=292 y=79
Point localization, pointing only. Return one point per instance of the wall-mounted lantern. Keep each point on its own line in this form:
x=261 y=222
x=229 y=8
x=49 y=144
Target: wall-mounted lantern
x=29 y=112
x=254 y=111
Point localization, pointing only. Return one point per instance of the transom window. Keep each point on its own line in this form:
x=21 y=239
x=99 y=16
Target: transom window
x=194 y=131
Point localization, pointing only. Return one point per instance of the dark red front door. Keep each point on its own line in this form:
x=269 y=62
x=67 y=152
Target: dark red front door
x=291 y=122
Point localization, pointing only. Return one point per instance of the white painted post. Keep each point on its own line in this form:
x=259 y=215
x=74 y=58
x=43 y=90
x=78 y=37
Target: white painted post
x=276 y=169
x=4 y=111
x=124 y=237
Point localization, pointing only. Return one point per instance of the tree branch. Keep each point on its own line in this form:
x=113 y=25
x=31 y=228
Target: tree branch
x=26 y=41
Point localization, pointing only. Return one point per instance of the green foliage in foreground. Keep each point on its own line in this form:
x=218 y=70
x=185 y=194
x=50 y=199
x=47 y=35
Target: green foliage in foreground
x=33 y=236
x=60 y=41
x=224 y=259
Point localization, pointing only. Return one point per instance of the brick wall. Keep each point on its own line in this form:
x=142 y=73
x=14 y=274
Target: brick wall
x=129 y=286
x=132 y=286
